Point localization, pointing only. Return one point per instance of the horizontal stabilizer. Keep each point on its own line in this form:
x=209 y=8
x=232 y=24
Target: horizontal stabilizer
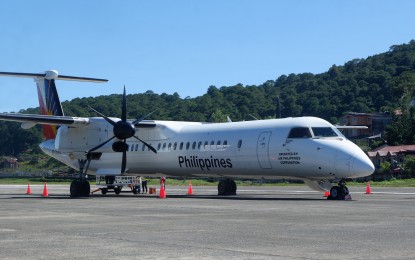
x=51 y=74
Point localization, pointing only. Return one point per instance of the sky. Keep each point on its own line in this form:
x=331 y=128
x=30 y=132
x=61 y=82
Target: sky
x=185 y=46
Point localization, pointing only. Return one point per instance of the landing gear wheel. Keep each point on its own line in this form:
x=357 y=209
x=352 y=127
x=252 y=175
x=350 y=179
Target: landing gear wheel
x=117 y=190
x=86 y=189
x=75 y=188
x=227 y=187
x=104 y=191
x=222 y=188
x=80 y=189
x=232 y=189
x=337 y=193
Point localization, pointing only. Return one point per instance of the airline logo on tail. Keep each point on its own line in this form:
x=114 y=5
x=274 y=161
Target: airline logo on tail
x=49 y=104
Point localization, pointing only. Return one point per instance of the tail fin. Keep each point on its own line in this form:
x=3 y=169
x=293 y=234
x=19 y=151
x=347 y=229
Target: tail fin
x=49 y=102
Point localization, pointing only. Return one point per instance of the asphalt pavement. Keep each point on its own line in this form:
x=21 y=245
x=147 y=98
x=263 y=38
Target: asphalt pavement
x=258 y=223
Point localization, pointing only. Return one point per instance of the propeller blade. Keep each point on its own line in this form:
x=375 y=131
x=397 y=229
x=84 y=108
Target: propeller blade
x=142 y=118
x=124 y=160
x=124 y=107
x=99 y=146
x=103 y=116
x=146 y=144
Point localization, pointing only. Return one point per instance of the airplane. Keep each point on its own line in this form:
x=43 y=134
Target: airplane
x=304 y=148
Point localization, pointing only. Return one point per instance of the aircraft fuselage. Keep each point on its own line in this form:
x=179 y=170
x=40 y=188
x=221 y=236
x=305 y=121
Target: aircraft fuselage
x=304 y=148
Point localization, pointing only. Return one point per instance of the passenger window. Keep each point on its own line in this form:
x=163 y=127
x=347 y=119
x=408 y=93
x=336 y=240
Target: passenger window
x=159 y=146
x=181 y=145
x=239 y=143
x=175 y=146
x=194 y=145
x=136 y=147
x=187 y=145
x=199 y=145
x=218 y=144
x=299 y=132
x=143 y=148
x=206 y=144
x=164 y=146
x=225 y=143
x=169 y=147
x=132 y=148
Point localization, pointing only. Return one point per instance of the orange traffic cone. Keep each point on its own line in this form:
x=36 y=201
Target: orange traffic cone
x=326 y=194
x=162 y=192
x=45 y=191
x=368 y=190
x=190 y=189
x=29 y=191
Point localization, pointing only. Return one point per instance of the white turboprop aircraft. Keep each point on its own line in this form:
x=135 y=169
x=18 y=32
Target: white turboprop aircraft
x=306 y=148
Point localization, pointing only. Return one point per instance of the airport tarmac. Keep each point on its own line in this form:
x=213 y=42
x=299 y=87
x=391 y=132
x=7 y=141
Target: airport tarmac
x=258 y=223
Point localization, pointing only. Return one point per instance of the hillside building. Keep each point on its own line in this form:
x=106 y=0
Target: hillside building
x=376 y=124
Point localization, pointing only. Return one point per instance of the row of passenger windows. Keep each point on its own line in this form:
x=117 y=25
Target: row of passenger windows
x=187 y=145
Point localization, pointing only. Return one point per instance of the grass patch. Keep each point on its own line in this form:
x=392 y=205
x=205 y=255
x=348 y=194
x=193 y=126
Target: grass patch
x=395 y=183
x=33 y=181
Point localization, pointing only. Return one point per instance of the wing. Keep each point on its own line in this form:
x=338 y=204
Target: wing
x=44 y=119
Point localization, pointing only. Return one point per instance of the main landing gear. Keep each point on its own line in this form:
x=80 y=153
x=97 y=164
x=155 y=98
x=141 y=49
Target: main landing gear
x=81 y=187
x=227 y=187
x=340 y=192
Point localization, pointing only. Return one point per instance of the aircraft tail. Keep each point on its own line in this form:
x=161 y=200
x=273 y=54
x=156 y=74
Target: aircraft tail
x=49 y=102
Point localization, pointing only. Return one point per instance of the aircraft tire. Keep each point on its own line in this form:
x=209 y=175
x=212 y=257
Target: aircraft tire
x=336 y=193
x=80 y=189
x=75 y=188
x=226 y=187
x=345 y=190
x=117 y=190
x=104 y=191
x=222 y=188
x=232 y=187
x=86 y=189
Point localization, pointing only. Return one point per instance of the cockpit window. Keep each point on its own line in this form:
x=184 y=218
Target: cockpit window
x=299 y=132
x=324 y=132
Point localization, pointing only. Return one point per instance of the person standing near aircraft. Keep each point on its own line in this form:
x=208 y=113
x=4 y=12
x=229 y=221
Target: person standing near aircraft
x=143 y=185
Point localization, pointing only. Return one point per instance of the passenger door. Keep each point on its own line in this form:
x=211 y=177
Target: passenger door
x=263 y=150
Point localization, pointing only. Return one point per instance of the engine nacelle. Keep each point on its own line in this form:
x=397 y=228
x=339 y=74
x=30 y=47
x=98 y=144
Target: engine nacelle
x=82 y=138
x=321 y=185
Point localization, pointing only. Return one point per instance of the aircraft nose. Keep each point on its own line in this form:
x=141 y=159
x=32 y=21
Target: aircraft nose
x=362 y=166
x=352 y=162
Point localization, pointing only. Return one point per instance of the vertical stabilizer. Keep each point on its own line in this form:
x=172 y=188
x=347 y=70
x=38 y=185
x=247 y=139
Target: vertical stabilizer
x=49 y=102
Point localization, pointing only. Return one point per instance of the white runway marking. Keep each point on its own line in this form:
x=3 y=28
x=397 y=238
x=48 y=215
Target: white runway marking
x=394 y=193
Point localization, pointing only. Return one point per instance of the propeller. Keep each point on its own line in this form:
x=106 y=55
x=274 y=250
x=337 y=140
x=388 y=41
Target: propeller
x=122 y=130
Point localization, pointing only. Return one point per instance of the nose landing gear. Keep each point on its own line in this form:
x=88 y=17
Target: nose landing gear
x=81 y=187
x=340 y=192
